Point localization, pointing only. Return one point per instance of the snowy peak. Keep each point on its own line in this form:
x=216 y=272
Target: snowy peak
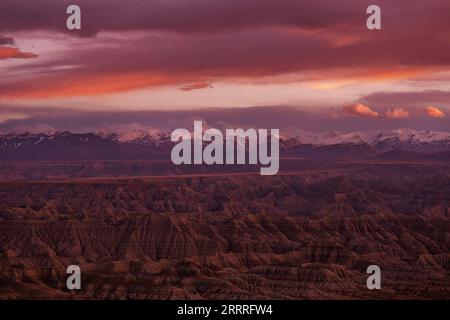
x=382 y=139
x=152 y=137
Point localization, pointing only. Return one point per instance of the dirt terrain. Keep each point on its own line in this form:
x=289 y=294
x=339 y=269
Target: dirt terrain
x=305 y=234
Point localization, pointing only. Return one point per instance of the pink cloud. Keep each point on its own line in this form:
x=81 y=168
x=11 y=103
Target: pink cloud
x=397 y=113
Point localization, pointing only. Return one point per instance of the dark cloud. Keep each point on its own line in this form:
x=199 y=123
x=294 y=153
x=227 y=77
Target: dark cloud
x=216 y=16
x=399 y=99
x=6 y=40
x=179 y=15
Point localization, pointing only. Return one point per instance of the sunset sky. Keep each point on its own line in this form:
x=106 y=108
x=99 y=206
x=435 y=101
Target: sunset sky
x=314 y=61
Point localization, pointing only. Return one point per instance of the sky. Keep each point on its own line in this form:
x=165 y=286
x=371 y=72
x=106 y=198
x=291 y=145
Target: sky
x=305 y=63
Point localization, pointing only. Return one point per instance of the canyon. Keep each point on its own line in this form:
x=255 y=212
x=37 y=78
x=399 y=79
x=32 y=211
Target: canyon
x=307 y=233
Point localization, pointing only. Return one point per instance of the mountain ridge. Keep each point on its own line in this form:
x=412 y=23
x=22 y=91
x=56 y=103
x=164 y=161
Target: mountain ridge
x=156 y=144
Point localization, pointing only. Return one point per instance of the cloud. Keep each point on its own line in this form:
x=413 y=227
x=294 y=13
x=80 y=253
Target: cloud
x=434 y=112
x=231 y=40
x=281 y=117
x=206 y=16
x=196 y=59
x=408 y=98
x=81 y=85
x=8 y=116
x=14 y=53
x=6 y=40
x=360 y=110
x=397 y=113
x=33 y=128
x=195 y=86
x=203 y=16
x=335 y=114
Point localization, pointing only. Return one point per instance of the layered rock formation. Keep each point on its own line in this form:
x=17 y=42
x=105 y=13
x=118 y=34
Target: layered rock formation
x=309 y=234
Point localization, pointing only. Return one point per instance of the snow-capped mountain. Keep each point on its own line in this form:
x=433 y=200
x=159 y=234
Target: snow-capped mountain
x=412 y=140
x=78 y=146
x=156 y=144
x=151 y=137
x=386 y=139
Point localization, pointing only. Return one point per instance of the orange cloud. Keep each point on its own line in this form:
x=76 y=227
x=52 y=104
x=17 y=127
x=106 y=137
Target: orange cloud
x=397 y=113
x=434 y=112
x=360 y=110
x=15 y=53
x=85 y=85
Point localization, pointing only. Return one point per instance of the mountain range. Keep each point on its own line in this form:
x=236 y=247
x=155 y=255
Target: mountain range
x=400 y=144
